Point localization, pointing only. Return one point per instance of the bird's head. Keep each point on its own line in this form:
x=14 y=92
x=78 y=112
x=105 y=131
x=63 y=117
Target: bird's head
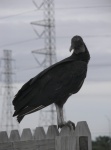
x=77 y=44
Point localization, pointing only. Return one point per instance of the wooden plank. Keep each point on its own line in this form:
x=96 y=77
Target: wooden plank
x=82 y=130
x=66 y=139
x=34 y=145
x=6 y=146
x=65 y=143
x=3 y=137
x=66 y=131
x=39 y=133
x=14 y=136
x=26 y=135
x=80 y=139
x=83 y=143
x=52 y=132
x=24 y=145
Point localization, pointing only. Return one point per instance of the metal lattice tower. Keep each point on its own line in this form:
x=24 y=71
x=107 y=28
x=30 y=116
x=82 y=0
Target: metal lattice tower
x=46 y=117
x=8 y=123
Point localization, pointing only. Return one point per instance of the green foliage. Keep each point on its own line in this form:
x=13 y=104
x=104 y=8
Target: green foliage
x=102 y=143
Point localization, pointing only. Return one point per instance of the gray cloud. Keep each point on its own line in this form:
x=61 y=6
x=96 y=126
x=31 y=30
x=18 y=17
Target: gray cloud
x=93 y=24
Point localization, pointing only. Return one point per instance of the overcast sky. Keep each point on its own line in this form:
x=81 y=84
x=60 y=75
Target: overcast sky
x=90 y=19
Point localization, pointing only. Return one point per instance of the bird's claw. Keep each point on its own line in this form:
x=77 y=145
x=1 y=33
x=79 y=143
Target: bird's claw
x=61 y=125
x=69 y=124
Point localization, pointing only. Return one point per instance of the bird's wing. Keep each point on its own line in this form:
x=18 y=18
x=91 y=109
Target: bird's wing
x=65 y=80
x=69 y=59
x=20 y=100
x=27 y=87
x=55 y=84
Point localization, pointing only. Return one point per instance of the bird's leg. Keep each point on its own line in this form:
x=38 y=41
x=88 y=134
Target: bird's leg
x=60 y=119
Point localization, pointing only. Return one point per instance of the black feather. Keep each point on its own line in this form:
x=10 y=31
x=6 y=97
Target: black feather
x=53 y=85
x=19 y=118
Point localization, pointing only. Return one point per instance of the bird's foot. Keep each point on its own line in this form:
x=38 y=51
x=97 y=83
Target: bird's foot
x=69 y=124
x=60 y=125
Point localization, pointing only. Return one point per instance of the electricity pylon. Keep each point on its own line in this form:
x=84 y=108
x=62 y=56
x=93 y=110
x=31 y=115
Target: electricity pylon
x=46 y=117
x=8 y=123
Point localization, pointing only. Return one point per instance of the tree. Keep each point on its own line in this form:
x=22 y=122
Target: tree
x=102 y=143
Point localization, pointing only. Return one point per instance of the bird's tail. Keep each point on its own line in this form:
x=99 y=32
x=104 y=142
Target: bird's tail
x=19 y=118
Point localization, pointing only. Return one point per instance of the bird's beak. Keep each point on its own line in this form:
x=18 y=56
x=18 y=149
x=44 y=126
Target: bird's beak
x=70 y=48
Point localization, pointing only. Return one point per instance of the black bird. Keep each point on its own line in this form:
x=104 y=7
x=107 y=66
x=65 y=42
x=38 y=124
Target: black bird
x=54 y=84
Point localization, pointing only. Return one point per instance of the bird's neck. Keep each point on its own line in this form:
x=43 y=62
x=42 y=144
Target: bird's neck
x=83 y=56
x=81 y=49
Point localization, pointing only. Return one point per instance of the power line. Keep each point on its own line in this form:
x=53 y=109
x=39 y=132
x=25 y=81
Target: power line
x=19 y=42
x=21 y=13
x=85 y=7
x=91 y=65
x=101 y=65
x=60 y=37
x=27 y=69
x=33 y=68
x=59 y=8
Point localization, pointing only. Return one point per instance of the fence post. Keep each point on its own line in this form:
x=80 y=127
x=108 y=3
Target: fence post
x=26 y=135
x=3 y=137
x=14 y=136
x=4 y=141
x=25 y=142
x=83 y=136
x=66 y=140
x=39 y=133
x=52 y=133
x=80 y=139
x=66 y=131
